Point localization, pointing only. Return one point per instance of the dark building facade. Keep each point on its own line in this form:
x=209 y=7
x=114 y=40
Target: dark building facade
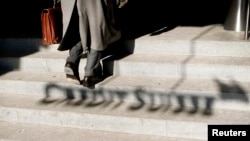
x=21 y=19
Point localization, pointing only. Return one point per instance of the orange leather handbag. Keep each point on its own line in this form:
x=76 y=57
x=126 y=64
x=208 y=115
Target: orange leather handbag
x=51 y=20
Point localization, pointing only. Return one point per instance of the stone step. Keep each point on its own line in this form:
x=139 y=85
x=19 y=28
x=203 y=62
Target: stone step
x=43 y=61
x=175 y=66
x=14 y=131
x=115 y=117
x=210 y=40
x=204 y=94
x=182 y=66
x=25 y=45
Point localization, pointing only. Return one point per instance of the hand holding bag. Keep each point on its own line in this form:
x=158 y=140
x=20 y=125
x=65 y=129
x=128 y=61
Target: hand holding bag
x=51 y=20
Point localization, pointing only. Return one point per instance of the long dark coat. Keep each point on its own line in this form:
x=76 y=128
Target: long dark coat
x=91 y=21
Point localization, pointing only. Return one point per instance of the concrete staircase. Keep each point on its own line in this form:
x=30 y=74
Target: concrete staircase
x=170 y=88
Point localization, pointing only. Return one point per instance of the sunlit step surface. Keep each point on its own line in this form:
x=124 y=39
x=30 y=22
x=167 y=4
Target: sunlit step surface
x=115 y=117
